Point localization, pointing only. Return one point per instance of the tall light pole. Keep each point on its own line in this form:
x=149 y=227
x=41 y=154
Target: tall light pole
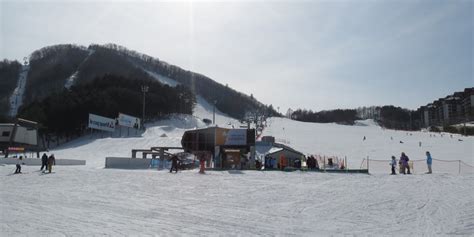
x=214 y=113
x=144 y=90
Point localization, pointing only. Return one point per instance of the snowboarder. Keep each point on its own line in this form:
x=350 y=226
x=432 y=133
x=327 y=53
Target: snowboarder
x=393 y=164
x=174 y=163
x=18 y=165
x=429 y=161
x=51 y=162
x=44 y=161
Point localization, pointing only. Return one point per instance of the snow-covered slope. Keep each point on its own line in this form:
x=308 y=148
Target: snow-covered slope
x=115 y=146
x=89 y=200
x=164 y=80
x=16 y=99
x=348 y=141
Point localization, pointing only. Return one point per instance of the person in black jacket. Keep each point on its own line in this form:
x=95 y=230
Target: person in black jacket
x=44 y=161
x=174 y=163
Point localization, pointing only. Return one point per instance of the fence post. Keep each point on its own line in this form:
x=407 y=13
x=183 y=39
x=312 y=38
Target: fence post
x=324 y=163
x=368 y=164
x=345 y=165
x=459 y=167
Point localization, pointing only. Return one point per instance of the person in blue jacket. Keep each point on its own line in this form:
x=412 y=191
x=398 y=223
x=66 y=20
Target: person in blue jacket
x=429 y=161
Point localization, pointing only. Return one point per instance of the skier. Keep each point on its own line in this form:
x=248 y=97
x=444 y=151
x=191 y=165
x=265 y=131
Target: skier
x=51 y=162
x=44 y=161
x=18 y=165
x=174 y=163
x=364 y=138
x=429 y=161
x=393 y=163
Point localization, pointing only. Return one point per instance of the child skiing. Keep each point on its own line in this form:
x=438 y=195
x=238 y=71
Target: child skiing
x=19 y=162
x=393 y=164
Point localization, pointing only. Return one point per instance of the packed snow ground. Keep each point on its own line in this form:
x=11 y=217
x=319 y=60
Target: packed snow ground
x=90 y=200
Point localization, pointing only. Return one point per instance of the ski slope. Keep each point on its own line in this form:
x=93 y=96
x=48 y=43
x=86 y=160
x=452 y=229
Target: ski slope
x=16 y=99
x=380 y=144
x=114 y=146
x=90 y=200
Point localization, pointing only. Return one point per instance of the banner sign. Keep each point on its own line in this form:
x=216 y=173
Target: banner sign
x=16 y=149
x=236 y=137
x=128 y=121
x=101 y=123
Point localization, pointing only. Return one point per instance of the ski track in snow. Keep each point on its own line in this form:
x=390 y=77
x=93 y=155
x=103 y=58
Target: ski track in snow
x=90 y=200
x=16 y=99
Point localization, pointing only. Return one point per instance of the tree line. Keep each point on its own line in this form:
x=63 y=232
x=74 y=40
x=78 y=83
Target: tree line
x=343 y=116
x=226 y=99
x=66 y=113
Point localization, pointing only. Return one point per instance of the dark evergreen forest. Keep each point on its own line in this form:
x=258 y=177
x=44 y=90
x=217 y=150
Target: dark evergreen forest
x=66 y=113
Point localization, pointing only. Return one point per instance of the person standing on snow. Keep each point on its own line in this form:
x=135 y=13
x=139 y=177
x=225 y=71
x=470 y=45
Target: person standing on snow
x=51 y=162
x=18 y=165
x=404 y=159
x=44 y=162
x=429 y=161
x=393 y=163
x=174 y=163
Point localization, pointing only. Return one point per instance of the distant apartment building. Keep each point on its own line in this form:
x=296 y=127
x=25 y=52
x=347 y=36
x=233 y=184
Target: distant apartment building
x=453 y=109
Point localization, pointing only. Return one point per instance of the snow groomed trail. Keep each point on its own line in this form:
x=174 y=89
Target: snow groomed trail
x=85 y=202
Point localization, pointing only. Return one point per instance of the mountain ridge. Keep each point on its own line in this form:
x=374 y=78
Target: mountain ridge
x=58 y=67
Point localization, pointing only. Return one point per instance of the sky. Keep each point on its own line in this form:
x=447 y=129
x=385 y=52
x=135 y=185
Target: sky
x=314 y=55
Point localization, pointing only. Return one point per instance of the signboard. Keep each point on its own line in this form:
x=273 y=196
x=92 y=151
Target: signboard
x=128 y=121
x=101 y=123
x=236 y=137
x=231 y=137
x=19 y=149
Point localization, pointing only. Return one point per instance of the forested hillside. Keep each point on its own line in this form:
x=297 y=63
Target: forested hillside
x=52 y=66
x=49 y=69
x=9 y=71
x=66 y=113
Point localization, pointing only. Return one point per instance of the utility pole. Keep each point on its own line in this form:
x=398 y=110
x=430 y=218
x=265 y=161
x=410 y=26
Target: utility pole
x=144 y=90
x=214 y=113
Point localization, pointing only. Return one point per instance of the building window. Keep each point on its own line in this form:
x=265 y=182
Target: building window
x=5 y=133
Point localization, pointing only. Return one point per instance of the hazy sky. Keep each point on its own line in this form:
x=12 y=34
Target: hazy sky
x=299 y=54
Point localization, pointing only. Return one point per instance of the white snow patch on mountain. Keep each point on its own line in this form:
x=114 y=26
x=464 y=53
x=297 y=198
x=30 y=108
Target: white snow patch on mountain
x=71 y=79
x=16 y=99
x=164 y=80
